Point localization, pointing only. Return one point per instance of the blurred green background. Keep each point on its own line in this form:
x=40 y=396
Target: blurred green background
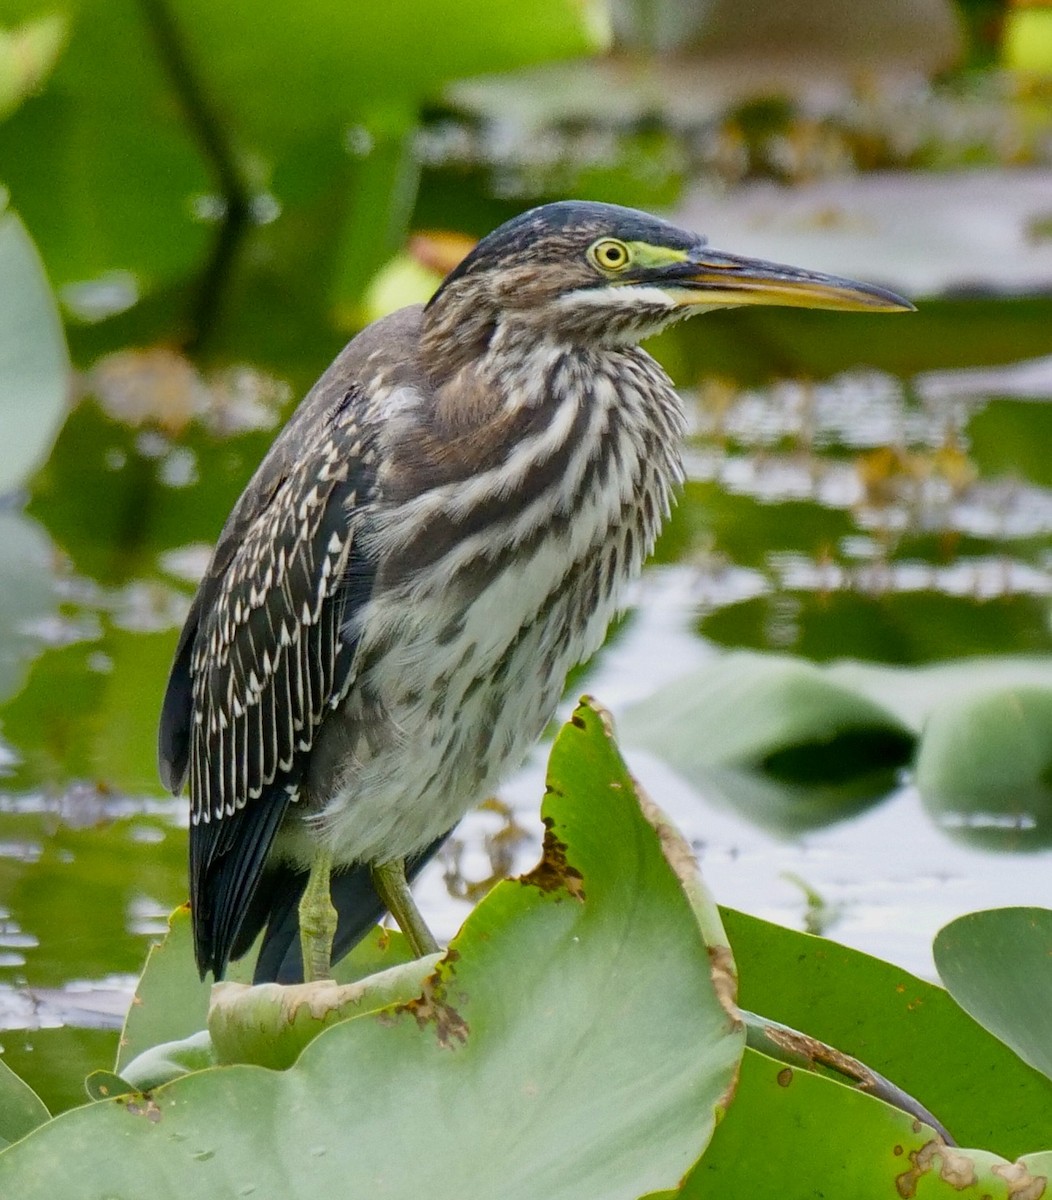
x=203 y=201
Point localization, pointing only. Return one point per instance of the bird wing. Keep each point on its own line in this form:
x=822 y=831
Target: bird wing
x=266 y=654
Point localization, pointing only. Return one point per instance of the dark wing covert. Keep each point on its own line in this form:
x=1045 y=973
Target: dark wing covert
x=264 y=657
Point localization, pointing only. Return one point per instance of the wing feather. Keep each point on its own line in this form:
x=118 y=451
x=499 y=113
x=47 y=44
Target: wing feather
x=270 y=653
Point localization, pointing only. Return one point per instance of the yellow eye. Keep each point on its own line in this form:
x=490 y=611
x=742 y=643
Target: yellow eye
x=609 y=254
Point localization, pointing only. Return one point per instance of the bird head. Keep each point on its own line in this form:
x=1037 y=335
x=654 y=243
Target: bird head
x=598 y=273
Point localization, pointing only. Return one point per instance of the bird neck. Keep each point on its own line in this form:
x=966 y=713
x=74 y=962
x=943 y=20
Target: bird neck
x=457 y=332
x=479 y=345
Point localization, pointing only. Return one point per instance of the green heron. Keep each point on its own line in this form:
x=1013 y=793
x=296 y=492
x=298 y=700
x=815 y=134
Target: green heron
x=445 y=526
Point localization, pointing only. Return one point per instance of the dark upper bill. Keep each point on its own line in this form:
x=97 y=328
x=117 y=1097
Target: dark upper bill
x=712 y=277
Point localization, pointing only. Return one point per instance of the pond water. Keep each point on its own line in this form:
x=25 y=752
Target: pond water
x=861 y=488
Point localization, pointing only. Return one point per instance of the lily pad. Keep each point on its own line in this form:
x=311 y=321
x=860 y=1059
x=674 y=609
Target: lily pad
x=792 y=1135
x=998 y=966
x=21 y=1109
x=161 y=1064
x=170 y=1007
x=270 y=1024
x=774 y=735
x=34 y=369
x=985 y=765
x=909 y=1030
x=577 y=1039
x=170 y=1002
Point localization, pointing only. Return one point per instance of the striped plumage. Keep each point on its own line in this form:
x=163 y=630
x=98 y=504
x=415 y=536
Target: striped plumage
x=443 y=529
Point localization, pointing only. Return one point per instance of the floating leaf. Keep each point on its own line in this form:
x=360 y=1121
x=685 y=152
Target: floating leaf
x=170 y=1060
x=34 y=369
x=577 y=1039
x=773 y=735
x=985 y=765
x=998 y=966
x=21 y=1109
x=909 y=1030
x=270 y=1024
x=170 y=1002
x=793 y=1135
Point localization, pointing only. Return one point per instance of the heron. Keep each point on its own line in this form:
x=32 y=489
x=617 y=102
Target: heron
x=446 y=525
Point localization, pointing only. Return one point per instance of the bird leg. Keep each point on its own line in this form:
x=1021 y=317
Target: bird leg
x=392 y=888
x=317 y=920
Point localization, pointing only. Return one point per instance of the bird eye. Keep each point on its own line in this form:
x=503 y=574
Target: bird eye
x=609 y=255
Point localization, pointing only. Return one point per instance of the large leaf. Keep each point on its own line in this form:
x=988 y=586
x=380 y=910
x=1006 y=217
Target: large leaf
x=170 y=1002
x=998 y=966
x=792 y=1135
x=774 y=736
x=34 y=370
x=985 y=764
x=911 y=1031
x=270 y=1024
x=578 y=1039
x=21 y=1109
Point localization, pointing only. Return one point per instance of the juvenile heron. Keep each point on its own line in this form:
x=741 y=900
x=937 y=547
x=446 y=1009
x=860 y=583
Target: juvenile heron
x=445 y=526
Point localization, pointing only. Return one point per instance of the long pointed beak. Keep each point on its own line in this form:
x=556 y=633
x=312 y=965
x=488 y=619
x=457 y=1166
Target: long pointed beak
x=718 y=279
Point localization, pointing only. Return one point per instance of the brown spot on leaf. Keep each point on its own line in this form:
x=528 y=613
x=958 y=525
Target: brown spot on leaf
x=898 y=1152
x=146 y=1107
x=725 y=981
x=920 y=1164
x=955 y=1168
x=958 y=1170
x=785 y=1076
x=554 y=872
x=432 y=1006
x=1021 y=1184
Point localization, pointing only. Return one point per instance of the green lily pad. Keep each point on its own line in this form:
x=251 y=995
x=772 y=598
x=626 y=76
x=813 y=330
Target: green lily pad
x=578 y=1038
x=163 y=1063
x=985 y=765
x=170 y=1007
x=21 y=1109
x=34 y=369
x=793 y=1135
x=771 y=713
x=170 y=1002
x=775 y=736
x=911 y=1031
x=270 y=1024
x=998 y=966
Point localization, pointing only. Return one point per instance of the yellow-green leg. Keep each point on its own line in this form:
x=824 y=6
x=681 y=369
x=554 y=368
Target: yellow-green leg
x=392 y=888
x=317 y=921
